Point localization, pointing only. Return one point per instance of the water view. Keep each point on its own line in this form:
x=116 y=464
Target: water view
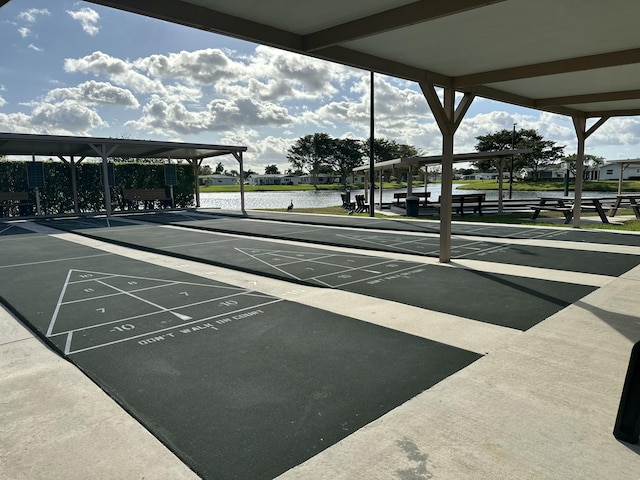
x=328 y=198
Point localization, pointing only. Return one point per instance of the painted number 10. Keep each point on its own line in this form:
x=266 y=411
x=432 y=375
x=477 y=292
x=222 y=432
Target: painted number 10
x=123 y=328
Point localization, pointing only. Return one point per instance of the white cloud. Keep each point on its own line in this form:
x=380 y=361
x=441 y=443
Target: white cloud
x=3 y=102
x=24 y=32
x=118 y=71
x=269 y=98
x=165 y=116
x=619 y=132
x=67 y=116
x=31 y=15
x=88 y=18
x=17 y=122
x=93 y=92
x=33 y=47
x=202 y=67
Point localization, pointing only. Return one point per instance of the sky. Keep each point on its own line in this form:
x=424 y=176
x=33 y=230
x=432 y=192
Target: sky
x=76 y=68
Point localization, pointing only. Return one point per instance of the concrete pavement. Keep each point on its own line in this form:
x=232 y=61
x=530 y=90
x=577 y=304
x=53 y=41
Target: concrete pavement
x=540 y=404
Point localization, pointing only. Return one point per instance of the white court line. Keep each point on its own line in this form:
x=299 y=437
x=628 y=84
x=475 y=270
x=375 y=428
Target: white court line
x=163 y=309
x=98 y=297
x=150 y=314
x=342 y=269
x=42 y=262
x=155 y=332
x=5 y=229
x=57 y=309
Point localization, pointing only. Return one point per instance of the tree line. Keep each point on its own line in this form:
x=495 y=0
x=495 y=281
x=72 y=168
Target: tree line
x=544 y=152
x=319 y=153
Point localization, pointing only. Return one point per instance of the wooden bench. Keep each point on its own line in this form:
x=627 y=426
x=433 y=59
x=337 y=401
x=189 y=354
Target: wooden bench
x=466 y=200
x=132 y=198
x=399 y=195
x=15 y=204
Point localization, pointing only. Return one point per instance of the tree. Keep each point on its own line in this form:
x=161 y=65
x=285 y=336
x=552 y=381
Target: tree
x=388 y=150
x=347 y=154
x=271 y=170
x=219 y=169
x=205 y=170
x=310 y=153
x=590 y=161
x=384 y=149
x=545 y=152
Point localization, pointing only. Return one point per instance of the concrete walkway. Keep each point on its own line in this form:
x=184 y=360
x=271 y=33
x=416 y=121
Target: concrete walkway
x=541 y=404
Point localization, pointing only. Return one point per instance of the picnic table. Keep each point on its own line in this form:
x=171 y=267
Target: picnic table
x=626 y=198
x=564 y=205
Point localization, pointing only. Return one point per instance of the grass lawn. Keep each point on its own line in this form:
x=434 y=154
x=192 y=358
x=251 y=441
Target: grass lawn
x=550 y=185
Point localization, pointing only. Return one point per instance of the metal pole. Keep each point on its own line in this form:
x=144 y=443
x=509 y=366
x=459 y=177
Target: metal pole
x=513 y=143
x=371 y=154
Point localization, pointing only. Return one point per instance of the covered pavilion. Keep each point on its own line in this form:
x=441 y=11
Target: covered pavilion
x=73 y=150
x=415 y=162
x=578 y=59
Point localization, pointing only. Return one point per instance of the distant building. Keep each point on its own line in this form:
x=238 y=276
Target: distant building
x=217 y=179
x=273 y=179
x=320 y=179
x=484 y=176
x=611 y=171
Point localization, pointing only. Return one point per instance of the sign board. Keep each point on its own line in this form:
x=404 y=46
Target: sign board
x=170 y=175
x=35 y=175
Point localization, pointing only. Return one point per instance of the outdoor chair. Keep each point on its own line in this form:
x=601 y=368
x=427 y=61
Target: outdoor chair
x=361 y=206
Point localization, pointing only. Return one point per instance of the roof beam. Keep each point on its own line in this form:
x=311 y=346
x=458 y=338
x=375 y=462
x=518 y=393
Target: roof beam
x=3 y=2
x=588 y=98
x=591 y=62
x=614 y=113
x=507 y=97
x=406 y=15
x=202 y=18
x=365 y=61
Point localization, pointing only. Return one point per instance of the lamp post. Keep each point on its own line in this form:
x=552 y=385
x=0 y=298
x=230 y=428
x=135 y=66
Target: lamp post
x=566 y=178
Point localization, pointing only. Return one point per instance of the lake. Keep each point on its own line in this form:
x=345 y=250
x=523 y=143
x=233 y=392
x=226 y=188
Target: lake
x=329 y=198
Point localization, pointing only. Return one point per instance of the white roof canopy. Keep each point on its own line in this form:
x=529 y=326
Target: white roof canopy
x=408 y=162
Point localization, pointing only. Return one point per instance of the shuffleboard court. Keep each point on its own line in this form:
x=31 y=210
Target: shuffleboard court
x=238 y=383
x=585 y=261
x=522 y=302
x=433 y=226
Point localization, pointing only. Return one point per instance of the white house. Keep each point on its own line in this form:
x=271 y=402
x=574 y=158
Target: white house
x=610 y=170
x=217 y=179
x=273 y=179
x=485 y=176
x=320 y=179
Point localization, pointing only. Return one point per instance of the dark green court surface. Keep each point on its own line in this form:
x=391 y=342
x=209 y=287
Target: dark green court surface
x=603 y=263
x=433 y=226
x=238 y=383
x=516 y=302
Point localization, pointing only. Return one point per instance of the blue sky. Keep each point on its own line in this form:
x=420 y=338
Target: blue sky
x=76 y=68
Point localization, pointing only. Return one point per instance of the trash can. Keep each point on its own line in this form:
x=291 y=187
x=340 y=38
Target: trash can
x=413 y=206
